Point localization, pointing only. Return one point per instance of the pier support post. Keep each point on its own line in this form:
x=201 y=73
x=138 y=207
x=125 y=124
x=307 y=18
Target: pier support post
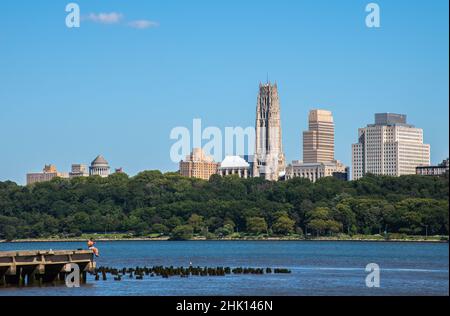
x=83 y=277
x=21 y=277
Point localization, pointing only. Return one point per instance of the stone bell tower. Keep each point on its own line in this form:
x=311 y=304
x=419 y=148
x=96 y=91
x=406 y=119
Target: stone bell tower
x=269 y=160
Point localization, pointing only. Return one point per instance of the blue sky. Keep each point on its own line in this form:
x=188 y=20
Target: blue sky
x=67 y=95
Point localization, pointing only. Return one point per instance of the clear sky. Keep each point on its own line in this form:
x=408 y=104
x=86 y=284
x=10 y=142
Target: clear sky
x=117 y=87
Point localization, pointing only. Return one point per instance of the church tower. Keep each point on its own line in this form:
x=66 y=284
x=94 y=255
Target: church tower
x=269 y=160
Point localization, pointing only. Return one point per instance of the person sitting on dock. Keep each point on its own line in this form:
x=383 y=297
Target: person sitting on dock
x=91 y=244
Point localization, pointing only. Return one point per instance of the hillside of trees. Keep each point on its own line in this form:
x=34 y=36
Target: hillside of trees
x=171 y=205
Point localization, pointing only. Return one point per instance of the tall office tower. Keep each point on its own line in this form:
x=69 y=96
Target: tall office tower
x=318 y=151
x=318 y=141
x=389 y=147
x=269 y=160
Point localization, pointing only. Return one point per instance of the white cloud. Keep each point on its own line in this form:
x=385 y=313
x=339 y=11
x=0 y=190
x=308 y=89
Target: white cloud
x=105 y=18
x=143 y=24
x=116 y=18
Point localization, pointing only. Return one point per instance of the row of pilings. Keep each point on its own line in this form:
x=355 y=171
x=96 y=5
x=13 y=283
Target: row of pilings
x=138 y=273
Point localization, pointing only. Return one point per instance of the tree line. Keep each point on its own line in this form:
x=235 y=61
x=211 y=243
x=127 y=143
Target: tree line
x=152 y=203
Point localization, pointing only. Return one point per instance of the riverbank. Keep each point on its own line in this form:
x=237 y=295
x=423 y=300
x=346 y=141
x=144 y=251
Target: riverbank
x=362 y=238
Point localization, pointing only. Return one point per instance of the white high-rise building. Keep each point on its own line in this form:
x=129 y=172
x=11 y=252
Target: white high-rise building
x=389 y=147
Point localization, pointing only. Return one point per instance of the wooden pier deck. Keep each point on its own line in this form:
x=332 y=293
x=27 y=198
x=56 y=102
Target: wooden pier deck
x=43 y=266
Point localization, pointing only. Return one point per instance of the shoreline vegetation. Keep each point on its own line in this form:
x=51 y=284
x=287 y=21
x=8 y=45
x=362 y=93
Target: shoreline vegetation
x=157 y=206
x=355 y=238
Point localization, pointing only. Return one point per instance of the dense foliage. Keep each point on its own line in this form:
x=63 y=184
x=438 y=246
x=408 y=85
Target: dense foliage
x=168 y=204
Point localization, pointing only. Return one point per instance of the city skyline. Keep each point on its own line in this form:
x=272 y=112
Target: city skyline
x=394 y=148
x=124 y=89
x=310 y=115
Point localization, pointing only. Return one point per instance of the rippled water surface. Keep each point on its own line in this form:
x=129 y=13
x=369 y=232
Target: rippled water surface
x=318 y=268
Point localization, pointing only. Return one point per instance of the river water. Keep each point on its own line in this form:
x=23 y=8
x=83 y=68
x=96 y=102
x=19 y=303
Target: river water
x=318 y=268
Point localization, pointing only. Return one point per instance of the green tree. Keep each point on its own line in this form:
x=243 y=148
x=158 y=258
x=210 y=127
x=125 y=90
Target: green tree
x=173 y=222
x=283 y=225
x=196 y=221
x=318 y=225
x=182 y=232
x=159 y=229
x=224 y=231
x=343 y=213
x=256 y=225
x=333 y=227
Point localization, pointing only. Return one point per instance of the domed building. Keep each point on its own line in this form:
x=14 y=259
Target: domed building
x=234 y=165
x=99 y=167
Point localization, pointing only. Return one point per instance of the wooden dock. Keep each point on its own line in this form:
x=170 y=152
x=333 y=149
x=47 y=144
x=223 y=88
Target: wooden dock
x=19 y=268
